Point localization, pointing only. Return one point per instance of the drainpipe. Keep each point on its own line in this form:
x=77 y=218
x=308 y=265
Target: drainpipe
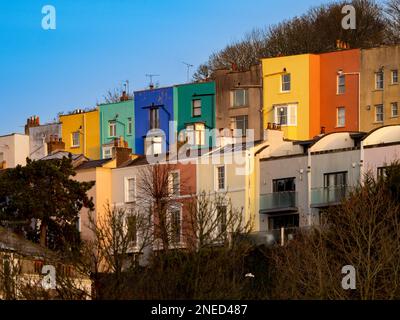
x=309 y=187
x=362 y=158
x=84 y=134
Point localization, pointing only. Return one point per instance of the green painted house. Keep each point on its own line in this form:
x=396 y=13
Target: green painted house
x=194 y=111
x=116 y=121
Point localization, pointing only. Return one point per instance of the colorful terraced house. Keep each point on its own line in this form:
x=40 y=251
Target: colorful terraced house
x=154 y=114
x=81 y=133
x=194 y=106
x=116 y=121
x=292 y=95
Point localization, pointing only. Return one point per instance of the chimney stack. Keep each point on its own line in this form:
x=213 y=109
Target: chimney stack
x=124 y=97
x=31 y=122
x=55 y=144
x=122 y=151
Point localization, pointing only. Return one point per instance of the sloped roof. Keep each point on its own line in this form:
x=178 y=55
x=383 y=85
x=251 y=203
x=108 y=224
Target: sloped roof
x=92 y=164
x=10 y=241
x=58 y=155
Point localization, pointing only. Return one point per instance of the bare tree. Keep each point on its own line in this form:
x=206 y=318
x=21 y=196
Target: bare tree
x=115 y=95
x=362 y=232
x=392 y=10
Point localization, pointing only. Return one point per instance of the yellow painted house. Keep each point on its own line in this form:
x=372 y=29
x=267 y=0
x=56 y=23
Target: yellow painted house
x=291 y=89
x=81 y=133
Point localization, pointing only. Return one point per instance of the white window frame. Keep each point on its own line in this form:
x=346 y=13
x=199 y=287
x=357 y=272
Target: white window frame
x=194 y=101
x=283 y=83
x=377 y=74
x=246 y=98
x=338 y=124
x=73 y=144
x=171 y=183
x=177 y=208
x=107 y=149
x=216 y=179
x=130 y=126
x=376 y=113
x=339 y=85
x=291 y=114
x=392 y=109
x=112 y=125
x=393 y=73
x=127 y=191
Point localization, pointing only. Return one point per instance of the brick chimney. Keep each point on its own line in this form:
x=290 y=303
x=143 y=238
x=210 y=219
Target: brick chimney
x=31 y=122
x=124 y=97
x=122 y=151
x=55 y=144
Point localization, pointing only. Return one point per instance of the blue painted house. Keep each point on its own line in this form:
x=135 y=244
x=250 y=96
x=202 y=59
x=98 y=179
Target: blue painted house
x=154 y=114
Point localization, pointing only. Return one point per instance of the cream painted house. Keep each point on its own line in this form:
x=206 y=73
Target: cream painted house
x=14 y=149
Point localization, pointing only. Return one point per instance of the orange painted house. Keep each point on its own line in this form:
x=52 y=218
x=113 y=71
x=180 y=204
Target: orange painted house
x=340 y=83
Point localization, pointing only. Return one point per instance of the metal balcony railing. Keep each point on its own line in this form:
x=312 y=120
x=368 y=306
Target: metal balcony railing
x=325 y=197
x=279 y=201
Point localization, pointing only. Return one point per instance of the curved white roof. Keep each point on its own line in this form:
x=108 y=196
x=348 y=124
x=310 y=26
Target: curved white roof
x=382 y=135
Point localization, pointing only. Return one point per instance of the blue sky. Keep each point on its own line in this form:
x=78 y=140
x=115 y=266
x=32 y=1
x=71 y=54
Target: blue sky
x=99 y=44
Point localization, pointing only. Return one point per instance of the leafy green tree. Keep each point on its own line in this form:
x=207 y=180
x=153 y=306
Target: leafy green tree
x=42 y=201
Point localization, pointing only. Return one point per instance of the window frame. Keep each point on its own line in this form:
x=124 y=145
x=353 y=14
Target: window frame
x=290 y=109
x=393 y=73
x=194 y=107
x=341 y=85
x=245 y=98
x=130 y=126
x=112 y=125
x=176 y=209
x=376 y=113
x=379 y=81
x=338 y=124
x=127 y=190
x=283 y=82
x=217 y=179
x=244 y=120
x=73 y=145
x=392 y=104
x=171 y=184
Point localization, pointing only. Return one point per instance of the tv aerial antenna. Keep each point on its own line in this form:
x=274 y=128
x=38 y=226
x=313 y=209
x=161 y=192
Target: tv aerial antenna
x=188 y=66
x=151 y=76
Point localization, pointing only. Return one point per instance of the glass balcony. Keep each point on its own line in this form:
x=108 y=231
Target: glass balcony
x=275 y=237
x=278 y=201
x=325 y=197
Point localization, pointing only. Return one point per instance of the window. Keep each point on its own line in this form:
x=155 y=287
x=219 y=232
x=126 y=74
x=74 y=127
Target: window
x=395 y=76
x=130 y=190
x=337 y=179
x=286 y=115
x=341 y=84
x=75 y=139
x=395 y=109
x=284 y=185
x=154 y=118
x=154 y=145
x=196 y=108
x=108 y=152
x=240 y=98
x=379 y=80
x=379 y=115
x=286 y=83
x=382 y=172
x=130 y=126
x=112 y=129
x=1 y=157
x=341 y=117
x=221 y=178
x=283 y=221
x=241 y=124
x=222 y=219
x=195 y=134
x=174 y=183
x=176 y=226
x=131 y=223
